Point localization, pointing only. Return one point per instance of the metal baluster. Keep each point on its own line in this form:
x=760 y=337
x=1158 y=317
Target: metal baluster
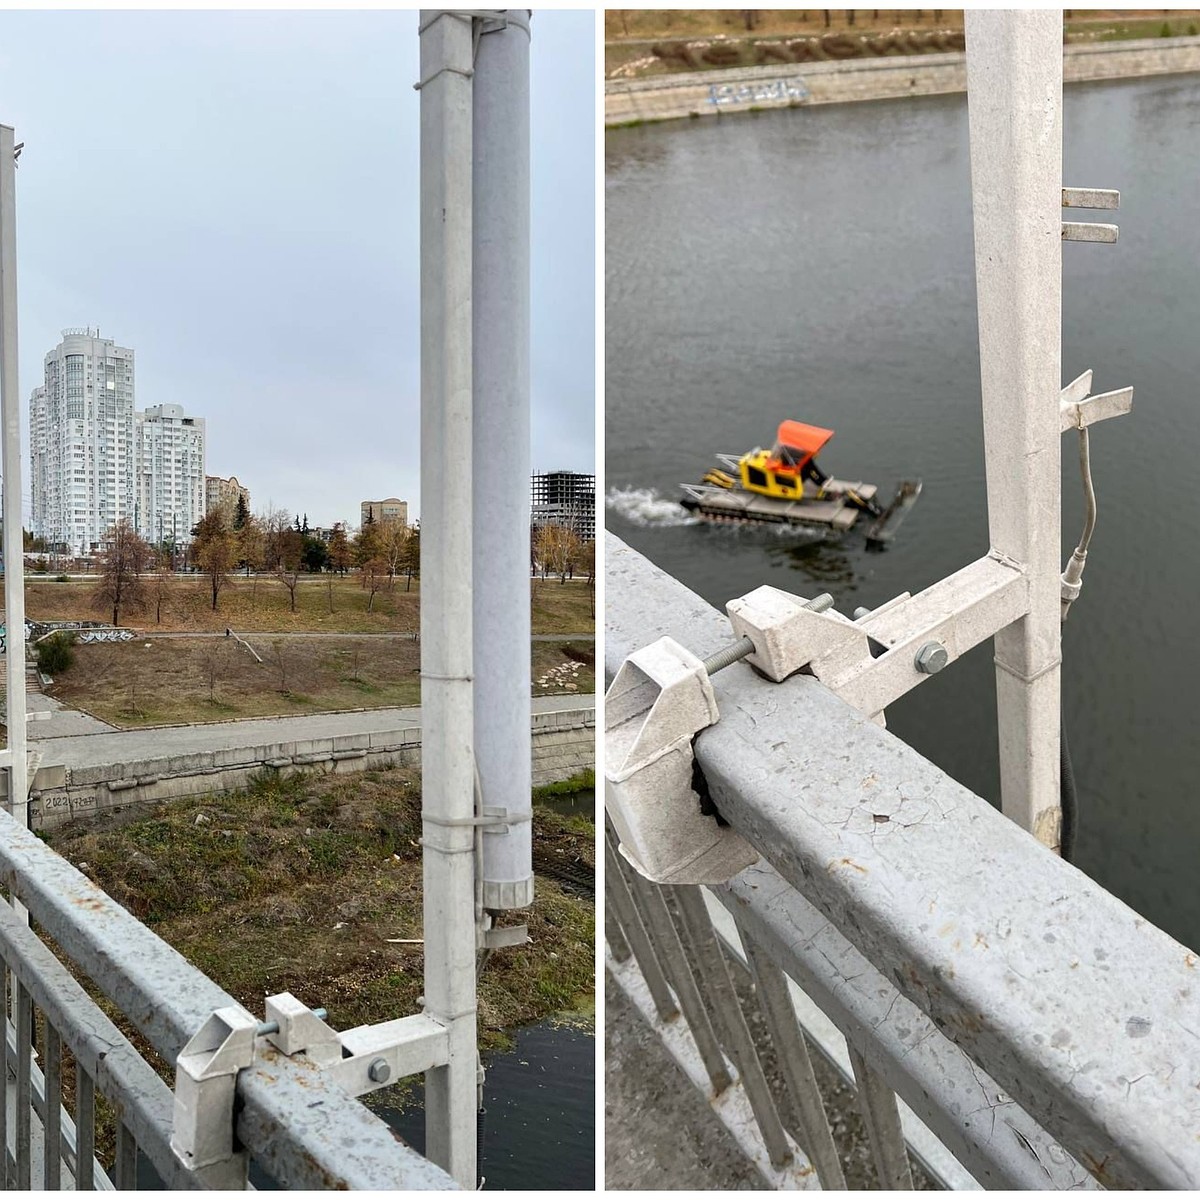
x=85 y=1130
x=614 y=933
x=795 y=1064
x=52 y=1122
x=631 y=922
x=723 y=998
x=665 y=939
x=877 y=1102
x=126 y=1164
x=24 y=1015
x=5 y=1171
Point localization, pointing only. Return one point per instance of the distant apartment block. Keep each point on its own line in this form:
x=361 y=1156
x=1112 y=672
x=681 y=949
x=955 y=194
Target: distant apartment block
x=169 y=465
x=96 y=461
x=376 y=511
x=223 y=494
x=565 y=498
x=82 y=442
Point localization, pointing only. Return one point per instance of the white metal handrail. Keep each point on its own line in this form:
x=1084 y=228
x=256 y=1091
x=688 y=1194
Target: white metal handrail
x=1017 y=965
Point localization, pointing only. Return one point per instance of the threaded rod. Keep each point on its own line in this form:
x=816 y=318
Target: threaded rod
x=744 y=645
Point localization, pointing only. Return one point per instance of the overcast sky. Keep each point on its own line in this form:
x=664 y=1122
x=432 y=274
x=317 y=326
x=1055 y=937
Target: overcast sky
x=234 y=195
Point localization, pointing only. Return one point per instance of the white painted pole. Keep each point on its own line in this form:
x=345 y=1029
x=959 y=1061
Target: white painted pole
x=10 y=464
x=501 y=431
x=448 y=803
x=1014 y=93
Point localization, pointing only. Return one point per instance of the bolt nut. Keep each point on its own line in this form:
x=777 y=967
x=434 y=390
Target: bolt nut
x=931 y=658
x=861 y=612
x=379 y=1071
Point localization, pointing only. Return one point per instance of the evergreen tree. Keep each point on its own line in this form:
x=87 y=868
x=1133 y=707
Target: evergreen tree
x=241 y=513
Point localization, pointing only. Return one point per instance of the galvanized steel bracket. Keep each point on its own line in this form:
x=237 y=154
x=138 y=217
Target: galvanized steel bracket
x=206 y=1070
x=660 y=699
x=789 y=636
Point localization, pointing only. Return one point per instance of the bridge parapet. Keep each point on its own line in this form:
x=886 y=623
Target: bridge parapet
x=1042 y=1030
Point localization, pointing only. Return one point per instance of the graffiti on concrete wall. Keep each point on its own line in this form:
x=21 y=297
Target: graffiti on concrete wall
x=756 y=93
x=106 y=635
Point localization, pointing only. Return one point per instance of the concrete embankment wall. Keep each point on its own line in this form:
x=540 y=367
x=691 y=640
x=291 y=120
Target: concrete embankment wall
x=564 y=744
x=710 y=93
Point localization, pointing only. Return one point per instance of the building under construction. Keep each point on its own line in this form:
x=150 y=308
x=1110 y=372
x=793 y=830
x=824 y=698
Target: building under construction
x=565 y=498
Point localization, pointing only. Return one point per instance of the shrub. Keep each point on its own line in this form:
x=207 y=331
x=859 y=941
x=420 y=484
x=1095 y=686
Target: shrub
x=62 y=579
x=1191 y=31
x=1165 y=31
x=54 y=655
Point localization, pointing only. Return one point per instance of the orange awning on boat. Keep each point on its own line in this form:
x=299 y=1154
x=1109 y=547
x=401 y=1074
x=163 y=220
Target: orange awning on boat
x=807 y=439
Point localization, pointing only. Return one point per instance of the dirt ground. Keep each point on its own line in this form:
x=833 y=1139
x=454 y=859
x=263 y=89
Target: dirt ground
x=646 y=42
x=303 y=885
x=167 y=681
x=262 y=604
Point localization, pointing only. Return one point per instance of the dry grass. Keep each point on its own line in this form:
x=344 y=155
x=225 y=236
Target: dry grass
x=172 y=681
x=262 y=605
x=631 y=33
x=297 y=886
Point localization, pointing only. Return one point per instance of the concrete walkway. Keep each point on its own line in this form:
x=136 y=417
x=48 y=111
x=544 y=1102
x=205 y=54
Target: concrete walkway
x=138 y=745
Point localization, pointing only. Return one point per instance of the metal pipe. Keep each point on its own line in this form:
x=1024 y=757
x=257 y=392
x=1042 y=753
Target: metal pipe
x=10 y=465
x=500 y=430
x=1014 y=95
x=448 y=758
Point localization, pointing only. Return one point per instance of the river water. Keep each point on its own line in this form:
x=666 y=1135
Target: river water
x=817 y=264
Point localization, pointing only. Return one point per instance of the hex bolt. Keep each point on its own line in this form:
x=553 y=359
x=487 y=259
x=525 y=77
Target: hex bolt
x=931 y=658
x=744 y=646
x=379 y=1071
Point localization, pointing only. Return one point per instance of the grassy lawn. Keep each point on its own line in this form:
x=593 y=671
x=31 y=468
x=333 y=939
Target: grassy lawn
x=262 y=605
x=301 y=885
x=298 y=885
x=169 y=681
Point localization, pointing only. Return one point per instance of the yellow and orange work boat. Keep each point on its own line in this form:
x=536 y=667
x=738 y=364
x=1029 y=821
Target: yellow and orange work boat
x=784 y=485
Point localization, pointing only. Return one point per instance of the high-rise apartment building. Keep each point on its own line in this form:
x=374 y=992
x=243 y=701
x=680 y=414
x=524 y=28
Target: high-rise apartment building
x=565 y=498
x=81 y=435
x=377 y=511
x=95 y=461
x=170 y=474
x=223 y=494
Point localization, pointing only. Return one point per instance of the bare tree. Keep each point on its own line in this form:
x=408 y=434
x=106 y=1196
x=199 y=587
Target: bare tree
x=213 y=657
x=282 y=660
x=163 y=577
x=214 y=550
x=558 y=547
x=124 y=559
x=283 y=552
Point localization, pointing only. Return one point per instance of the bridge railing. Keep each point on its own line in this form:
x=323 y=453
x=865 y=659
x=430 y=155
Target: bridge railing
x=1004 y=1017
x=296 y=1124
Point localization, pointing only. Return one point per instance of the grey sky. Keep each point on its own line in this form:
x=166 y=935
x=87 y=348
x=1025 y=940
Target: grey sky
x=234 y=195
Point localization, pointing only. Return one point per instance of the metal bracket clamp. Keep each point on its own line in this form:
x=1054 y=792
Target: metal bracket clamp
x=789 y=635
x=205 y=1083
x=660 y=699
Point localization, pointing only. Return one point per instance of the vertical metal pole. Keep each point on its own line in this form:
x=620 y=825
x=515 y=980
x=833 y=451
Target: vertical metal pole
x=10 y=464
x=448 y=757
x=500 y=270
x=1014 y=91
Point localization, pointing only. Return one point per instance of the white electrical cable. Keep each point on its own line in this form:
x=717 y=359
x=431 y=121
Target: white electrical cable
x=1072 y=577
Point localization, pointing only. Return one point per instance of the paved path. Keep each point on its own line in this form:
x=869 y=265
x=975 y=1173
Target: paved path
x=149 y=635
x=61 y=721
x=135 y=745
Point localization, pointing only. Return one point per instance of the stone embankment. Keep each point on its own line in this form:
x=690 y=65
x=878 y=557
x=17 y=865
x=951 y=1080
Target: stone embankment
x=109 y=772
x=743 y=89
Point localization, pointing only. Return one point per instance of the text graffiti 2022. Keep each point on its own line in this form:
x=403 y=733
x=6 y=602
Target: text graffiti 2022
x=750 y=93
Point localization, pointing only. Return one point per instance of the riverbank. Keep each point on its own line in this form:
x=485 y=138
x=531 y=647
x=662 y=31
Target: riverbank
x=750 y=89
x=312 y=885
